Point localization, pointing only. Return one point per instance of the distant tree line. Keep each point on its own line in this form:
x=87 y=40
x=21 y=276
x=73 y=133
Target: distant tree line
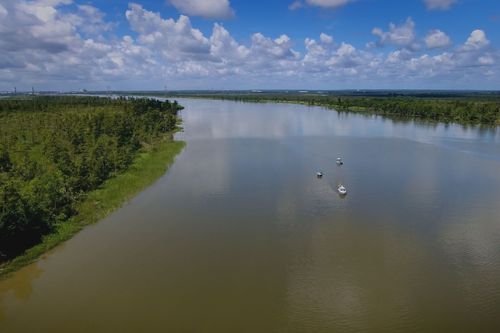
x=467 y=109
x=53 y=150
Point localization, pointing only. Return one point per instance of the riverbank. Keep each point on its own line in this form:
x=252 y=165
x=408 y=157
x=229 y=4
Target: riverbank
x=149 y=164
x=457 y=108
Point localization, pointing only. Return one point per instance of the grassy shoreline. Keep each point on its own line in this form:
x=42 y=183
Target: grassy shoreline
x=149 y=164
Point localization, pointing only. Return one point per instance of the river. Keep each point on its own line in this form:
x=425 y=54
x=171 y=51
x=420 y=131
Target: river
x=240 y=236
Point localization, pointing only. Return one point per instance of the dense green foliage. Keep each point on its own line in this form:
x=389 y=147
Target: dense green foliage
x=151 y=162
x=54 y=150
x=466 y=109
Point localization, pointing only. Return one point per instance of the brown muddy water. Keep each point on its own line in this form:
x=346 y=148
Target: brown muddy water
x=240 y=236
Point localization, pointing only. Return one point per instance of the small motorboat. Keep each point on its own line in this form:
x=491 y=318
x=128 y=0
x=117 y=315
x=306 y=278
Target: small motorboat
x=342 y=190
x=339 y=161
x=319 y=174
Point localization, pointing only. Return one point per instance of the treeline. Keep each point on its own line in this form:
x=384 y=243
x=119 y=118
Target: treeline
x=53 y=150
x=464 y=110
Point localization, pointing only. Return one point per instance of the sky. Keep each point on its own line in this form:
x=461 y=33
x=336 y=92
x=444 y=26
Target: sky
x=241 y=44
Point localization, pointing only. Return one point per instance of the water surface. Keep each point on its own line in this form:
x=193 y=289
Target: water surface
x=240 y=236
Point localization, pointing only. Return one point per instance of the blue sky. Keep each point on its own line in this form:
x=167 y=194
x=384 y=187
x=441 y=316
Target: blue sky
x=236 y=44
x=351 y=23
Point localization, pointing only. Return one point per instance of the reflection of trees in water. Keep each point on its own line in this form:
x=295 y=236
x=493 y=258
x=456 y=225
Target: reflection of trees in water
x=20 y=285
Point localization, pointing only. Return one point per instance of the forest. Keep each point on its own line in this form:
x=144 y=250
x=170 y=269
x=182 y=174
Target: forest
x=55 y=150
x=447 y=107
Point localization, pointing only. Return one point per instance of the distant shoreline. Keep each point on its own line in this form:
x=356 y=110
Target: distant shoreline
x=473 y=108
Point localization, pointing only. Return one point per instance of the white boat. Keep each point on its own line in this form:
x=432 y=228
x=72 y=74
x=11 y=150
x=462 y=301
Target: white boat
x=319 y=174
x=339 y=161
x=342 y=190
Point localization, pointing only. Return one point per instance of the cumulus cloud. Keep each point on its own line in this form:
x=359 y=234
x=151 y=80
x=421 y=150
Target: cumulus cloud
x=439 y=4
x=190 y=50
x=33 y=26
x=175 y=40
x=327 y=39
x=328 y=3
x=400 y=35
x=486 y=60
x=476 y=40
x=279 y=48
x=319 y=3
x=212 y=9
x=47 y=42
x=91 y=20
x=224 y=47
x=437 y=39
x=346 y=56
x=42 y=42
x=324 y=59
x=265 y=57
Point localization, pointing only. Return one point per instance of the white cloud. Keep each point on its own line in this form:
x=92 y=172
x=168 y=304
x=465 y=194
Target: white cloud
x=41 y=44
x=190 y=51
x=400 y=35
x=346 y=56
x=175 y=40
x=91 y=20
x=316 y=56
x=439 y=4
x=486 y=60
x=296 y=5
x=224 y=47
x=88 y=20
x=328 y=3
x=319 y=3
x=213 y=9
x=437 y=39
x=46 y=43
x=326 y=38
x=33 y=26
x=476 y=40
x=279 y=48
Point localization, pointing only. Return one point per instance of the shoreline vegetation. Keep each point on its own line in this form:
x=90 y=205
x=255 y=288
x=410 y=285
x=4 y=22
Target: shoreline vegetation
x=460 y=107
x=60 y=196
